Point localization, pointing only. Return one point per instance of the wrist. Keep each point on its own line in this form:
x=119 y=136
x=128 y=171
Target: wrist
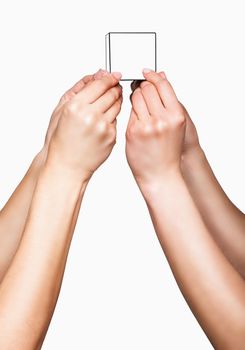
x=57 y=170
x=158 y=184
x=37 y=165
x=191 y=157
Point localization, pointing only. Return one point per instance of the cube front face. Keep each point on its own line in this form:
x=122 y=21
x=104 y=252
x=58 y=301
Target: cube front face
x=130 y=52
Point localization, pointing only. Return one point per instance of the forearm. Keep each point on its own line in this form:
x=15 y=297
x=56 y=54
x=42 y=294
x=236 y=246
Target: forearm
x=213 y=289
x=14 y=213
x=30 y=288
x=224 y=220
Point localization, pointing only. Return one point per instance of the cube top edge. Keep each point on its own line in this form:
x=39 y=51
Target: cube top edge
x=108 y=55
x=131 y=33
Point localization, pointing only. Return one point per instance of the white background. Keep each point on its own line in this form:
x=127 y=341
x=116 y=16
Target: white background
x=130 y=52
x=118 y=291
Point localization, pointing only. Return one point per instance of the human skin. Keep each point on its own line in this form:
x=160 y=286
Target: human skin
x=84 y=137
x=13 y=215
x=155 y=140
x=225 y=221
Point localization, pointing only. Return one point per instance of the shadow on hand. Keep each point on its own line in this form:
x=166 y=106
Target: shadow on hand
x=134 y=85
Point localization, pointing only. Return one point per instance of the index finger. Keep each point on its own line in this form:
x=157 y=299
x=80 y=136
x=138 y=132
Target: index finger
x=76 y=88
x=81 y=83
x=132 y=119
x=90 y=93
x=164 y=88
x=139 y=105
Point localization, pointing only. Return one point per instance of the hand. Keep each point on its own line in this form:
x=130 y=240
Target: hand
x=86 y=129
x=156 y=130
x=191 y=141
x=65 y=98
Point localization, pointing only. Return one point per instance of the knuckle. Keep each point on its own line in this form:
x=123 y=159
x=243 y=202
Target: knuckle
x=101 y=127
x=181 y=119
x=131 y=132
x=147 y=130
x=114 y=92
x=71 y=108
x=160 y=127
x=109 y=80
x=178 y=120
x=87 y=115
x=146 y=86
x=88 y=118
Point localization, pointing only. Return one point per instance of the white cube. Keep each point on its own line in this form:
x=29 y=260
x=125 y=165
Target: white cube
x=130 y=52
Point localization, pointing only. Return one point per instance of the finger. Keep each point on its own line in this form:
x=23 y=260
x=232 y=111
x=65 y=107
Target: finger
x=163 y=75
x=111 y=114
x=97 y=88
x=139 y=105
x=80 y=84
x=152 y=99
x=76 y=88
x=101 y=73
x=163 y=87
x=134 y=85
x=108 y=99
x=132 y=119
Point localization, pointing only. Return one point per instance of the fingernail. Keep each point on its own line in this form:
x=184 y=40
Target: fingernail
x=117 y=75
x=147 y=70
